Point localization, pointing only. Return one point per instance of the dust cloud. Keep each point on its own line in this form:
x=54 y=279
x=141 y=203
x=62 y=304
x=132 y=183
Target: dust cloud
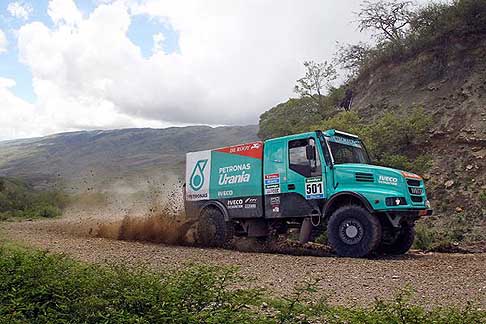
x=150 y=210
x=157 y=227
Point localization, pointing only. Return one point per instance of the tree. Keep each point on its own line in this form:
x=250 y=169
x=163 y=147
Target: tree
x=352 y=57
x=316 y=82
x=390 y=19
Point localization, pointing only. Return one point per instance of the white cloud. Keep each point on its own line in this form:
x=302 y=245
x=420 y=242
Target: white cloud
x=3 y=42
x=237 y=59
x=159 y=39
x=64 y=11
x=17 y=116
x=19 y=9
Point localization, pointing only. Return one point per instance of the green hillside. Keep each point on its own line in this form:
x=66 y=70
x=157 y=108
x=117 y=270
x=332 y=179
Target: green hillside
x=81 y=160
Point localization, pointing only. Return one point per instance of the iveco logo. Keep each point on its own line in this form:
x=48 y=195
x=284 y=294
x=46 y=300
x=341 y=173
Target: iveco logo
x=415 y=191
x=388 y=180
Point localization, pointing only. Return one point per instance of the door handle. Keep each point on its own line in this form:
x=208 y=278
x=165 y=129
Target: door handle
x=291 y=186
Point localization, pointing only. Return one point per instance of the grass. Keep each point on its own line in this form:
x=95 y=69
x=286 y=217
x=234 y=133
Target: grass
x=39 y=287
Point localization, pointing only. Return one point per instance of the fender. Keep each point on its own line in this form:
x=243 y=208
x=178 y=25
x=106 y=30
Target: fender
x=218 y=205
x=336 y=196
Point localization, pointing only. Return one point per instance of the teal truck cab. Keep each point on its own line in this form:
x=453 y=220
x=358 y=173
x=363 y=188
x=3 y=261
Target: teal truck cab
x=317 y=181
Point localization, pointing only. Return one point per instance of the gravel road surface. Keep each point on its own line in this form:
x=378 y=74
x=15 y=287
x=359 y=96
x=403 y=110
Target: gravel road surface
x=436 y=278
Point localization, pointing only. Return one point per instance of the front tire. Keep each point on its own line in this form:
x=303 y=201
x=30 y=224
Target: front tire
x=402 y=243
x=212 y=229
x=353 y=232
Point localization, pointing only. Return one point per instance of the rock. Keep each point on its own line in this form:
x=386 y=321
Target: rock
x=449 y=183
x=426 y=176
x=459 y=210
x=469 y=167
x=395 y=277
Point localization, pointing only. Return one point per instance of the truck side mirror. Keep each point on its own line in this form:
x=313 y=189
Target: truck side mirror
x=310 y=152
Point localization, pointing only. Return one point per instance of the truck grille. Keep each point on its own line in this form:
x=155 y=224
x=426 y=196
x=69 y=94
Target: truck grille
x=364 y=177
x=415 y=191
x=413 y=183
x=417 y=199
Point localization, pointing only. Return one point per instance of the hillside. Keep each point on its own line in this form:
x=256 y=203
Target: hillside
x=93 y=158
x=439 y=69
x=455 y=97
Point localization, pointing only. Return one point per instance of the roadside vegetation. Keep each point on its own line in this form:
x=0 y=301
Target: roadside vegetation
x=19 y=200
x=402 y=30
x=45 y=288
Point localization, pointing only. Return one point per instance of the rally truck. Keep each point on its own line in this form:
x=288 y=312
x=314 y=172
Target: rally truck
x=312 y=182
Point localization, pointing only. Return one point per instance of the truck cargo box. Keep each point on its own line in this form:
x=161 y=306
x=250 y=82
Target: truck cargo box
x=231 y=175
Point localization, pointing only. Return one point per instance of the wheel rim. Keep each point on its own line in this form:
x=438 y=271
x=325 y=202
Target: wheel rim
x=351 y=231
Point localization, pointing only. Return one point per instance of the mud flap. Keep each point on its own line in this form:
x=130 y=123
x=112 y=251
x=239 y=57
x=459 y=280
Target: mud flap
x=305 y=231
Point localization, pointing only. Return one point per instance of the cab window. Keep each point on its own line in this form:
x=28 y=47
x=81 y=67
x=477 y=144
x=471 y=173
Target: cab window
x=300 y=162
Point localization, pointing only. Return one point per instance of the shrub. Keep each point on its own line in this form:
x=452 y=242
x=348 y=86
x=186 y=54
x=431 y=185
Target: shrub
x=482 y=196
x=424 y=237
x=50 y=288
x=19 y=200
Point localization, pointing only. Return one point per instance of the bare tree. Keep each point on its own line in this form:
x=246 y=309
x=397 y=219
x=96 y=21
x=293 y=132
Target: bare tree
x=316 y=82
x=352 y=57
x=389 y=18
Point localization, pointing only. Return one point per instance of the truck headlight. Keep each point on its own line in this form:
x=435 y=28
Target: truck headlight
x=427 y=204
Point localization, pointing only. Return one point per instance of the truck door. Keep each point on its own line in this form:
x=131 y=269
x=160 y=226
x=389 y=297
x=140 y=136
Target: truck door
x=302 y=186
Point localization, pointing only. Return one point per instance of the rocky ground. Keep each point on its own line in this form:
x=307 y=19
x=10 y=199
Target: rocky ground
x=436 y=278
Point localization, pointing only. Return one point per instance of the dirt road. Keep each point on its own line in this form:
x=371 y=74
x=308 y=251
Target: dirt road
x=437 y=279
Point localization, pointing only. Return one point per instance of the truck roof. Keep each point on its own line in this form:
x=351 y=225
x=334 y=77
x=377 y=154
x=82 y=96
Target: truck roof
x=329 y=132
x=288 y=137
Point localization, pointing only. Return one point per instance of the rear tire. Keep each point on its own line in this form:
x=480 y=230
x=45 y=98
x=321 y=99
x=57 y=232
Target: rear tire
x=353 y=232
x=212 y=229
x=402 y=243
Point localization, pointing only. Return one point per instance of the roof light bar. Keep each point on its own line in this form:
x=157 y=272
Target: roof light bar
x=345 y=134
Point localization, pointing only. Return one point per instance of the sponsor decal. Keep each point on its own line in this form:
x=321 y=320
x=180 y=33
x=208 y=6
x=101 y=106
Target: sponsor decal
x=254 y=150
x=234 y=203
x=314 y=188
x=251 y=203
x=275 y=200
x=242 y=177
x=225 y=193
x=197 y=177
x=273 y=178
x=197 y=196
x=272 y=189
x=198 y=174
x=388 y=180
x=345 y=141
x=275 y=208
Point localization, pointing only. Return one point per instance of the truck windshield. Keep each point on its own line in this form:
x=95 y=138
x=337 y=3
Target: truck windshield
x=347 y=150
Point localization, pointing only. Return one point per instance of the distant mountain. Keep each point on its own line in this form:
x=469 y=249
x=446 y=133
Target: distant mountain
x=99 y=156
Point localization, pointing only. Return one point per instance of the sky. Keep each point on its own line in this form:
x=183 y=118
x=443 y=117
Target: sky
x=70 y=65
